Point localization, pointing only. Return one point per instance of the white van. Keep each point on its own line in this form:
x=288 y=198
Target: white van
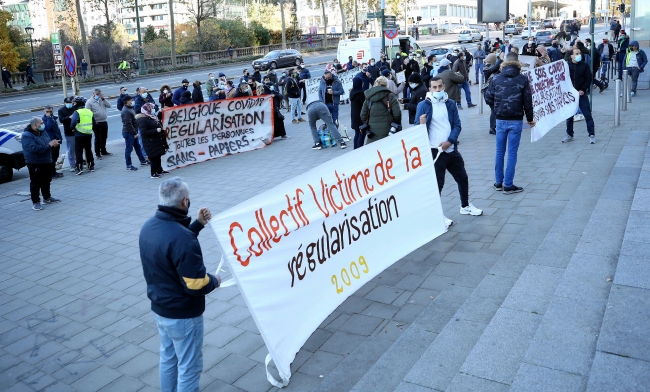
x=363 y=49
x=11 y=154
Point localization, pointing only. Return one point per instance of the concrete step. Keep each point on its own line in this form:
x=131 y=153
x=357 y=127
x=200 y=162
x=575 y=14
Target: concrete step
x=470 y=352
x=622 y=357
x=460 y=311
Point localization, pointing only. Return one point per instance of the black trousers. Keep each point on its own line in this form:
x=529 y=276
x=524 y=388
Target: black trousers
x=100 y=129
x=156 y=165
x=81 y=144
x=40 y=177
x=55 y=156
x=453 y=163
x=304 y=93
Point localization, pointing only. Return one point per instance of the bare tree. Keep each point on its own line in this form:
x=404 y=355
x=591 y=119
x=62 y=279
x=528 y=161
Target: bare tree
x=284 y=29
x=106 y=7
x=200 y=11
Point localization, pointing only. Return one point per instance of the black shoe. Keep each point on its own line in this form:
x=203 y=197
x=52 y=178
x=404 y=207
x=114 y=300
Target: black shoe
x=155 y=176
x=57 y=175
x=602 y=89
x=78 y=171
x=98 y=157
x=106 y=153
x=317 y=146
x=498 y=187
x=343 y=145
x=493 y=132
x=471 y=106
x=512 y=189
x=163 y=172
x=91 y=168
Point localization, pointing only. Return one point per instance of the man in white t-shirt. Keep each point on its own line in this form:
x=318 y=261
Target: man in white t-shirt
x=440 y=115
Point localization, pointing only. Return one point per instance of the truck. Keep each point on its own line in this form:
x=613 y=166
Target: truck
x=363 y=49
x=11 y=154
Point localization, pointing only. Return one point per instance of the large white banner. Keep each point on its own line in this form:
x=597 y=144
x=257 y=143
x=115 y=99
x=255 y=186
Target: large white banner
x=312 y=85
x=554 y=97
x=202 y=131
x=300 y=249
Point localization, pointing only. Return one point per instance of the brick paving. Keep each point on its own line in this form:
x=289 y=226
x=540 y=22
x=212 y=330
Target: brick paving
x=74 y=313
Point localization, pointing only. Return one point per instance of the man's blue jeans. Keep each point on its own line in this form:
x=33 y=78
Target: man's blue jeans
x=634 y=74
x=334 y=111
x=479 y=68
x=508 y=134
x=585 y=110
x=468 y=93
x=181 y=353
x=130 y=145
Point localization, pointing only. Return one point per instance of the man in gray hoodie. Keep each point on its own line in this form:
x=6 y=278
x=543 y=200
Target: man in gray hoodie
x=99 y=105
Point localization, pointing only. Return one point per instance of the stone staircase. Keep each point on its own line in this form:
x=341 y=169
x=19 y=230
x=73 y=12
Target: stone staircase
x=531 y=321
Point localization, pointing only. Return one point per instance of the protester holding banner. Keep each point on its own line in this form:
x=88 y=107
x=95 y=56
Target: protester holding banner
x=581 y=78
x=440 y=115
x=153 y=139
x=330 y=92
x=381 y=111
x=243 y=90
x=509 y=95
x=177 y=283
x=197 y=94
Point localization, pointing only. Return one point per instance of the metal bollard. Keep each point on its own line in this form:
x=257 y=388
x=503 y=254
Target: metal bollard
x=629 y=89
x=625 y=92
x=617 y=104
x=480 y=94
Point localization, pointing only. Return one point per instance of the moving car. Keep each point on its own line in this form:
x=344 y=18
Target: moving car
x=457 y=30
x=544 y=37
x=279 y=59
x=11 y=154
x=528 y=33
x=470 y=35
x=547 y=24
x=513 y=29
x=363 y=49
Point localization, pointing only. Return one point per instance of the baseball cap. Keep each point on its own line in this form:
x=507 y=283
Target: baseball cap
x=185 y=81
x=444 y=62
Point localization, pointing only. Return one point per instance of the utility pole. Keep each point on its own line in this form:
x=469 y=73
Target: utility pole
x=592 y=22
x=143 y=71
x=383 y=26
x=356 y=18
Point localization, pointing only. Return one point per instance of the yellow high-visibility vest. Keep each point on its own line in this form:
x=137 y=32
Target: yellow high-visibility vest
x=85 y=124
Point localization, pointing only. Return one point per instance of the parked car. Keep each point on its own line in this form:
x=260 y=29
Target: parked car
x=470 y=35
x=544 y=37
x=547 y=24
x=511 y=29
x=279 y=59
x=519 y=27
x=528 y=33
x=566 y=22
x=534 y=24
x=11 y=154
x=458 y=29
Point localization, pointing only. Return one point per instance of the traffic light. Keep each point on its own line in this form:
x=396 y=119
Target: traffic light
x=621 y=7
x=575 y=13
x=419 y=18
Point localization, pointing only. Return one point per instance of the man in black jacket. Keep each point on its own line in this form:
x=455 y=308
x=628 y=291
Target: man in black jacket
x=130 y=134
x=581 y=78
x=177 y=284
x=492 y=67
x=418 y=94
x=606 y=53
x=425 y=74
x=509 y=95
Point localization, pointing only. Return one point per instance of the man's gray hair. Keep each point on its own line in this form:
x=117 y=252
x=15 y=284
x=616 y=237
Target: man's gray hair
x=172 y=191
x=35 y=120
x=97 y=90
x=49 y=107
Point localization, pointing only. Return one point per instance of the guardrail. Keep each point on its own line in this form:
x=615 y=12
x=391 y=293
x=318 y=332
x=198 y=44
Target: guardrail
x=195 y=58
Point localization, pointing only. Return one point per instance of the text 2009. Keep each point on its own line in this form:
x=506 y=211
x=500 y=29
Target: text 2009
x=354 y=271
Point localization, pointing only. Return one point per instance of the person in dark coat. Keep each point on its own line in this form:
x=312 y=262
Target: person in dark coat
x=356 y=104
x=197 y=94
x=52 y=130
x=130 y=134
x=491 y=68
x=165 y=98
x=186 y=98
x=397 y=64
x=141 y=97
x=120 y=99
x=29 y=73
x=380 y=109
x=153 y=139
x=418 y=94
x=37 y=149
x=279 y=131
x=6 y=78
x=65 y=117
x=178 y=93
x=582 y=80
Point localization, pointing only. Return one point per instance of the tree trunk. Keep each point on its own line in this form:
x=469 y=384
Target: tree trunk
x=322 y=5
x=82 y=32
x=172 y=32
x=109 y=36
x=344 y=26
x=199 y=35
x=284 y=30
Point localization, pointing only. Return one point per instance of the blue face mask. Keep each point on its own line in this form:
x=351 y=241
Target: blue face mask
x=68 y=105
x=96 y=97
x=42 y=127
x=578 y=58
x=144 y=95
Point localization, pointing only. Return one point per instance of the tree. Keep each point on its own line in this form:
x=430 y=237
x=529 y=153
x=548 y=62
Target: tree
x=284 y=28
x=344 y=26
x=149 y=35
x=162 y=34
x=82 y=33
x=200 y=11
x=9 y=56
x=172 y=31
x=262 y=35
x=105 y=7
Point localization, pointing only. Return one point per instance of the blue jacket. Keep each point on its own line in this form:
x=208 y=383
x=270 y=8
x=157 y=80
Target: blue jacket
x=641 y=57
x=337 y=90
x=36 y=148
x=52 y=127
x=138 y=102
x=120 y=101
x=172 y=262
x=305 y=74
x=425 y=107
x=555 y=54
x=176 y=97
x=367 y=82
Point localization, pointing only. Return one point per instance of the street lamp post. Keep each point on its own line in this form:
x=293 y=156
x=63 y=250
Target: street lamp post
x=142 y=71
x=30 y=31
x=294 y=20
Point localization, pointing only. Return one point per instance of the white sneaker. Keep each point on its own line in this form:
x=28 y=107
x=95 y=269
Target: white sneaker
x=470 y=210
x=448 y=223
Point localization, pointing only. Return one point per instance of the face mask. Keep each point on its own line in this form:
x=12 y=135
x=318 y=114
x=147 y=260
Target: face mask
x=42 y=127
x=166 y=91
x=96 y=97
x=130 y=104
x=438 y=95
x=530 y=42
x=144 y=95
x=413 y=85
x=578 y=58
x=124 y=92
x=68 y=105
x=364 y=70
x=284 y=74
x=372 y=63
x=410 y=57
x=212 y=77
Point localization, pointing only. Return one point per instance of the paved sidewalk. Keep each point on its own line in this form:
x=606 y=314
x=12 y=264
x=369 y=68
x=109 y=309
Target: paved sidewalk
x=74 y=312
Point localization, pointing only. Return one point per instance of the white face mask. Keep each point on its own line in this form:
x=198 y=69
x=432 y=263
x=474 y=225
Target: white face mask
x=166 y=91
x=413 y=85
x=438 y=95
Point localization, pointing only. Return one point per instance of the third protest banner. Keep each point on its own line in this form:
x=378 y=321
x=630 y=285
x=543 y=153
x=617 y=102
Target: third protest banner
x=300 y=249
x=345 y=78
x=554 y=98
x=202 y=131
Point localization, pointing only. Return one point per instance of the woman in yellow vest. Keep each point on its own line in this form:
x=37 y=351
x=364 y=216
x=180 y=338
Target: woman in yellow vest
x=82 y=123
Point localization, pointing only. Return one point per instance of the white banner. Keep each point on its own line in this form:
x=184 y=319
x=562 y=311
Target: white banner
x=345 y=78
x=300 y=249
x=554 y=98
x=202 y=131
x=401 y=77
x=527 y=62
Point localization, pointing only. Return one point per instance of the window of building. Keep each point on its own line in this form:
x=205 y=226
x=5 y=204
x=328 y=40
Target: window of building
x=157 y=6
x=443 y=10
x=158 y=17
x=424 y=12
x=434 y=11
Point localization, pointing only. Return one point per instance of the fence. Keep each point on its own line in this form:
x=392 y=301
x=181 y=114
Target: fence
x=100 y=69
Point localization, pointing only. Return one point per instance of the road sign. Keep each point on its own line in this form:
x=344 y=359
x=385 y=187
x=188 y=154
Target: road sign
x=374 y=15
x=56 y=50
x=390 y=34
x=70 y=61
x=390 y=20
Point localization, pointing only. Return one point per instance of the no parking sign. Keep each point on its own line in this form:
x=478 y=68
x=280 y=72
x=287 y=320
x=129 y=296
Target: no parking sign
x=390 y=34
x=69 y=61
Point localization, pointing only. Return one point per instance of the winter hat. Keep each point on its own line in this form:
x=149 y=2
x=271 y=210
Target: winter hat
x=491 y=58
x=185 y=81
x=385 y=73
x=445 y=63
x=357 y=83
x=415 y=78
x=221 y=74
